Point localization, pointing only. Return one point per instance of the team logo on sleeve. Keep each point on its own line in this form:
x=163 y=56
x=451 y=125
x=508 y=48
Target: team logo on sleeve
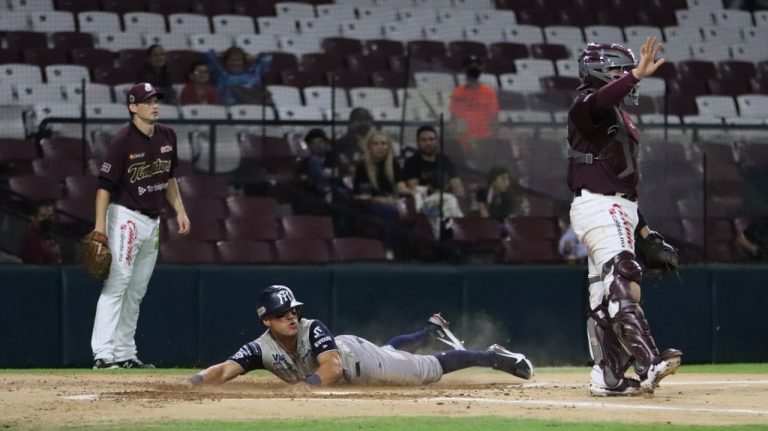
x=105 y=167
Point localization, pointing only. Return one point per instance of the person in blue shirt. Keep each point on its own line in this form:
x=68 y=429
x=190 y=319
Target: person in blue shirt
x=237 y=79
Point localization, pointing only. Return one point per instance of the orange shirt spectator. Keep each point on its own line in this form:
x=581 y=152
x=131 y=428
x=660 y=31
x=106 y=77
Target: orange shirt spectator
x=478 y=106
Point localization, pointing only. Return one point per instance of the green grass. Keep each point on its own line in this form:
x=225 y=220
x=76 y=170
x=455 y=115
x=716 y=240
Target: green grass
x=411 y=423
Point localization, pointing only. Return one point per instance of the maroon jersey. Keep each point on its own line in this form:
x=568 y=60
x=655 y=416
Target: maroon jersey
x=137 y=168
x=597 y=126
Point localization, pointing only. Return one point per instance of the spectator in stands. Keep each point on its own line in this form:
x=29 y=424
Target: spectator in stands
x=351 y=146
x=379 y=183
x=754 y=239
x=569 y=246
x=155 y=72
x=319 y=169
x=431 y=207
x=239 y=79
x=38 y=246
x=424 y=166
x=501 y=199
x=474 y=106
x=198 y=89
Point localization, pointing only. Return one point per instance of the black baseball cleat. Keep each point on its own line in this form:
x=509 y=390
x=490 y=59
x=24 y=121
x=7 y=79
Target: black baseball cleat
x=134 y=363
x=101 y=364
x=627 y=387
x=513 y=363
x=436 y=326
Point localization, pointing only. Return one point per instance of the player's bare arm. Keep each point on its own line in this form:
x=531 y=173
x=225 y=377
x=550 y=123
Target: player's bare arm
x=648 y=63
x=329 y=367
x=102 y=201
x=216 y=374
x=174 y=198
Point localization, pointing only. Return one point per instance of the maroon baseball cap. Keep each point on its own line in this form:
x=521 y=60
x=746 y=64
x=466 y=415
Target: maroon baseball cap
x=141 y=92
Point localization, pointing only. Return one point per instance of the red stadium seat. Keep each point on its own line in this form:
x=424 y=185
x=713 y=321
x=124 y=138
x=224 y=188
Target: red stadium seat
x=251 y=228
x=358 y=249
x=44 y=56
x=16 y=156
x=65 y=148
x=206 y=230
x=307 y=226
x=81 y=186
x=245 y=252
x=204 y=186
x=77 y=210
x=302 y=251
x=69 y=40
x=252 y=206
x=187 y=252
x=534 y=227
x=22 y=40
x=384 y=47
x=342 y=46
x=57 y=168
x=36 y=188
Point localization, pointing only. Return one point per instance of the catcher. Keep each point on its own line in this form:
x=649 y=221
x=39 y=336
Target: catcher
x=602 y=173
x=304 y=352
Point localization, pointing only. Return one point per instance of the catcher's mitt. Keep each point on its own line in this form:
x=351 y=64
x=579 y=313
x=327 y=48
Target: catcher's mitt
x=95 y=254
x=657 y=256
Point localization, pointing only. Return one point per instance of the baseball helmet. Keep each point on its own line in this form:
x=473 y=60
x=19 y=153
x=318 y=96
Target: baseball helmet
x=275 y=299
x=598 y=58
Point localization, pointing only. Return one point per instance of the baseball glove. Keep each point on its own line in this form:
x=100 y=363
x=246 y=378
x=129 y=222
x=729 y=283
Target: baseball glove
x=95 y=254
x=657 y=256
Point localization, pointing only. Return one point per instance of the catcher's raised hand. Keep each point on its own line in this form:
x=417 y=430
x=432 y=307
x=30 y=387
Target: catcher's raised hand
x=648 y=63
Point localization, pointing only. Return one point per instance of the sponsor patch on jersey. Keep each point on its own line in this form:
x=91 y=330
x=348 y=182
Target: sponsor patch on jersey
x=142 y=190
x=136 y=156
x=166 y=149
x=105 y=167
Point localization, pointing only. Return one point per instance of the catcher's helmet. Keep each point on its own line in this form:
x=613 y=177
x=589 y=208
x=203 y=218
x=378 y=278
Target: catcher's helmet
x=274 y=300
x=598 y=58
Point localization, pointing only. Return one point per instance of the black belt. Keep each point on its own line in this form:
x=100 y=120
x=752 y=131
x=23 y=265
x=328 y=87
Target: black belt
x=149 y=214
x=628 y=196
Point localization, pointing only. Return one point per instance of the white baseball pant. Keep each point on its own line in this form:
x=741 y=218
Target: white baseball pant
x=134 y=240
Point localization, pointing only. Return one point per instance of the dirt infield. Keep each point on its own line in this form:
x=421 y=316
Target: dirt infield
x=49 y=401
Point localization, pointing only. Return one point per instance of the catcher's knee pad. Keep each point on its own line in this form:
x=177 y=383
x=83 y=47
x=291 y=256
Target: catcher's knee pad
x=605 y=347
x=629 y=321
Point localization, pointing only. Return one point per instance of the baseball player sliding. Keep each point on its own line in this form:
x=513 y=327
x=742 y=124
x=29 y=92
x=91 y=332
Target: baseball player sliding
x=135 y=178
x=602 y=173
x=304 y=352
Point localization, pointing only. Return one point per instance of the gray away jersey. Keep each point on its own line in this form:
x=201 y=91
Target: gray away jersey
x=361 y=360
x=265 y=353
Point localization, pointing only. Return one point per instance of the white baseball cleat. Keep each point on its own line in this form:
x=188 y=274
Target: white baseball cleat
x=670 y=361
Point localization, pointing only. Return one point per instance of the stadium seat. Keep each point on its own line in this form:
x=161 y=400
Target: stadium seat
x=20 y=74
x=168 y=7
x=302 y=251
x=206 y=42
x=76 y=210
x=251 y=227
x=233 y=25
x=51 y=21
x=244 y=252
x=43 y=57
x=322 y=97
x=35 y=187
x=81 y=186
x=16 y=156
x=66 y=74
x=255 y=44
x=203 y=186
x=358 y=249
x=57 y=169
x=142 y=22
x=187 y=252
x=188 y=23
x=308 y=227
x=67 y=40
x=524 y=34
x=97 y=21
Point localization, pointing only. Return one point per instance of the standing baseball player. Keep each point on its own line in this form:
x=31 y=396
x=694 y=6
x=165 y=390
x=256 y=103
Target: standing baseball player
x=602 y=173
x=304 y=352
x=135 y=179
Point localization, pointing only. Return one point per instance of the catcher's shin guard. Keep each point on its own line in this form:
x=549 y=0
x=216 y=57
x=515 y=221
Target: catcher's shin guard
x=629 y=321
x=605 y=347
